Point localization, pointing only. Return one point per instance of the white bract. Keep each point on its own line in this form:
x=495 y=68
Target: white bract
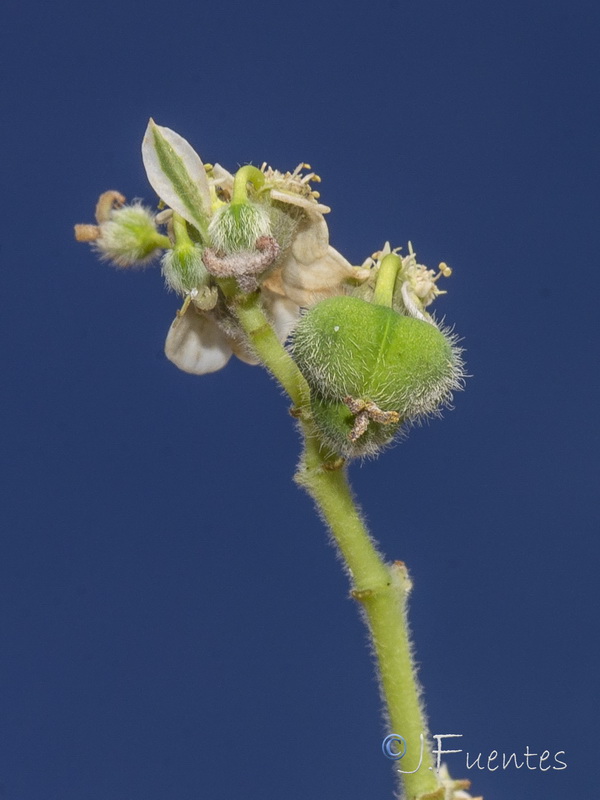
x=176 y=173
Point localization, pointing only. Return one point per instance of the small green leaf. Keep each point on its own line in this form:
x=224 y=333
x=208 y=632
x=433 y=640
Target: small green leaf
x=176 y=173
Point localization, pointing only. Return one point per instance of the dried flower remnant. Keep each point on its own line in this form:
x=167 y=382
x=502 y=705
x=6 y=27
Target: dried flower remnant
x=244 y=266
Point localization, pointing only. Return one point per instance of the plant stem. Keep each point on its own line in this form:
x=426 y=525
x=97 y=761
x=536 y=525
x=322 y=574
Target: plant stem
x=276 y=359
x=182 y=237
x=162 y=242
x=380 y=588
x=243 y=177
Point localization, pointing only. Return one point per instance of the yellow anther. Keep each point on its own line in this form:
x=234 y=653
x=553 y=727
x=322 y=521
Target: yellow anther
x=87 y=233
x=445 y=270
x=316 y=195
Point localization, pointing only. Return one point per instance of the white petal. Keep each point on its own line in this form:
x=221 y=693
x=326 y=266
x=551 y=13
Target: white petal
x=284 y=313
x=311 y=240
x=307 y=284
x=196 y=344
x=241 y=351
x=176 y=173
x=293 y=199
x=274 y=283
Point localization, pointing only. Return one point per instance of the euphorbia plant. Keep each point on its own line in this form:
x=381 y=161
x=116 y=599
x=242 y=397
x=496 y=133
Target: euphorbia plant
x=355 y=348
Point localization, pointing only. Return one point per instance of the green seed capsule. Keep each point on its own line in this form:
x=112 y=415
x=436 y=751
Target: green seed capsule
x=365 y=361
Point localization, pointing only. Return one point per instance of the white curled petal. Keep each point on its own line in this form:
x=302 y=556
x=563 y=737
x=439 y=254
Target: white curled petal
x=411 y=303
x=345 y=267
x=311 y=240
x=292 y=199
x=196 y=344
x=284 y=313
x=307 y=284
x=176 y=173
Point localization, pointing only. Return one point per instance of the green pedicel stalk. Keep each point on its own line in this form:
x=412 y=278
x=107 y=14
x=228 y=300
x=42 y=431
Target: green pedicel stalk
x=382 y=590
x=242 y=178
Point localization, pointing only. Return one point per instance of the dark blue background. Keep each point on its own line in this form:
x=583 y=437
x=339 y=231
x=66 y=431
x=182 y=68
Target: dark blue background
x=174 y=623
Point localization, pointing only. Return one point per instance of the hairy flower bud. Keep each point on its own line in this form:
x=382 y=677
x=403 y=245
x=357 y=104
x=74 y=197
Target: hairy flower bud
x=236 y=227
x=183 y=268
x=370 y=369
x=129 y=237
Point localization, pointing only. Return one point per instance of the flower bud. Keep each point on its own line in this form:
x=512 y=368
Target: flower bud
x=129 y=237
x=236 y=227
x=183 y=269
x=370 y=369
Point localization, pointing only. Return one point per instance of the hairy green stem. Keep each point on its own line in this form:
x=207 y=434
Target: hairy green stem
x=182 y=237
x=248 y=309
x=381 y=589
x=162 y=242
